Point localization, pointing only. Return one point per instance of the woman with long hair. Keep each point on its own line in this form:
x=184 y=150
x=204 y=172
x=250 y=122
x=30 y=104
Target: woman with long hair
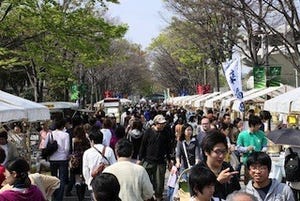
x=187 y=149
x=80 y=143
x=16 y=174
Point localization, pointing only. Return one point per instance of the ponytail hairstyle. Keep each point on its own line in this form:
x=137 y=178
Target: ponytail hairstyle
x=21 y=168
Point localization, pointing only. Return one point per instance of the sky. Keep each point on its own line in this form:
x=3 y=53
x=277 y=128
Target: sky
x=143 y=18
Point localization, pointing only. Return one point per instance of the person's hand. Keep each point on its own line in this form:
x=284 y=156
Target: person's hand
x=225 y=175
x=177 y=165
x=138 y=162
x=250 y=148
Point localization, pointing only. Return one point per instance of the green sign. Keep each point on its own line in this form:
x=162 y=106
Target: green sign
x=259 y=74
x=275 y=76
x=74 y=92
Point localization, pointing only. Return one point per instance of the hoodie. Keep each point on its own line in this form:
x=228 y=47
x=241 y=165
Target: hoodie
x=31 y=193
x=277 y=192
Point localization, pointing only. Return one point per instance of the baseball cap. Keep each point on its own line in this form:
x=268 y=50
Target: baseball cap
x=159 y=119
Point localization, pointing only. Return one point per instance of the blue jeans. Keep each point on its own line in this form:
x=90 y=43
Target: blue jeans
x=59 y=168
x=170 y=193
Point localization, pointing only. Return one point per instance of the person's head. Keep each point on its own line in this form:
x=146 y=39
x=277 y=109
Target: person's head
x=60 y=124
x=265 y=115
x=254 y=123
x=16 y=173
x=205 y=124
x=107 y=123
x=3 y=137
x=2 y=155
x=214 y=147
x=226 y=118
x=106 y=187
x=238 y=123
x=79 y=132
x=225 y=129
x=259 y=166
x=250 y=113
x=159 y=122
x=240 y=196
x=209 y=113
x=124 y=148
x=202 y=182
x=186 y=132
x=96 y=136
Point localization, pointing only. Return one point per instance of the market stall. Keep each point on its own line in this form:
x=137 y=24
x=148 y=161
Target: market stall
x=285 y=103
x=258 y=98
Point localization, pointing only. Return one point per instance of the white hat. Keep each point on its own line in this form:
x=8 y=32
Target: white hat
x=159 y=119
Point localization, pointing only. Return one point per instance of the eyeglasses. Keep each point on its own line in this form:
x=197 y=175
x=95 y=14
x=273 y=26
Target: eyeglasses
x=220 y=151
x=260 y=168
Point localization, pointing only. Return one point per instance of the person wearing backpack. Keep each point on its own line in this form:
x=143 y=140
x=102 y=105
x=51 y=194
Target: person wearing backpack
x=92 y=158
x=261 y=186
x=293 y=172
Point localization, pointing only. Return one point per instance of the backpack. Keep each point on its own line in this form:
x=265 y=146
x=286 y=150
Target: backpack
x=292 y=166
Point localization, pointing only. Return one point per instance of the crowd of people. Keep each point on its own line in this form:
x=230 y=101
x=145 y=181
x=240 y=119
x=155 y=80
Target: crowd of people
x=138 y=150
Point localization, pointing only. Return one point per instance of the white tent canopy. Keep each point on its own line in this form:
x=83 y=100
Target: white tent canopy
x=210 y=102
x=227 y=102
x=123 y=101
x=60 y=105
x=258 y=97
x=33 y=111
x=9 y=112
x=199 y=102
x=284 y=102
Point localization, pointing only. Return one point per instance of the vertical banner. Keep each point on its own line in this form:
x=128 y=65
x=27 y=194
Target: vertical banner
x=275 y=76
x=233 y=74
x=259 y=74
x=199 y=89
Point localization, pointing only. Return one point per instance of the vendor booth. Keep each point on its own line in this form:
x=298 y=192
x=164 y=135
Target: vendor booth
x=17 y=111
x=258 y=98
x=284 y=102
x=212 y=103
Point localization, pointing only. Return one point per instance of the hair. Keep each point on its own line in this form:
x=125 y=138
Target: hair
x=226 y=115
x=107 y=123
x=200 y=177
x=106 y=187
x=212 y=138
x=184 y=127
x=96 y=135
x=79 y=132
x=260 y=158
x=236 y=121
x=254 y=120
x=233 y=195
x=124 y=148
x=265 y=115
x=2 y=155
x=120 y=131
x=3 y=134
x=60 y=123
x=21 y=167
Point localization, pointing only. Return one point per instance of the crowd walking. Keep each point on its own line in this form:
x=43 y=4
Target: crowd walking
x=132 y=155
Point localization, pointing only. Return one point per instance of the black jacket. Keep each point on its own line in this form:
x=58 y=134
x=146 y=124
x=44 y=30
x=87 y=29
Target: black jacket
x=155 y=146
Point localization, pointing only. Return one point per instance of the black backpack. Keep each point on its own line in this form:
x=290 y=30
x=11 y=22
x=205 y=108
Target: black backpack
x=292 y=166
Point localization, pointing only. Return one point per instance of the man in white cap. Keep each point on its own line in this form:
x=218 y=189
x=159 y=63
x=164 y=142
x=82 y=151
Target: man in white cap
x=155 y=152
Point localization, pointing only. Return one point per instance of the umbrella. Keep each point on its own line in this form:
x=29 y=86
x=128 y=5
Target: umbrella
x=285 y=136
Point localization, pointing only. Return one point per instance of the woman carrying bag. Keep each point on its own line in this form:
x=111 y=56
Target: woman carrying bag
x=187 y=149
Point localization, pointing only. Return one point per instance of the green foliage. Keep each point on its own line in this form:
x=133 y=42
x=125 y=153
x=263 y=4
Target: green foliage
x=50 y=40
